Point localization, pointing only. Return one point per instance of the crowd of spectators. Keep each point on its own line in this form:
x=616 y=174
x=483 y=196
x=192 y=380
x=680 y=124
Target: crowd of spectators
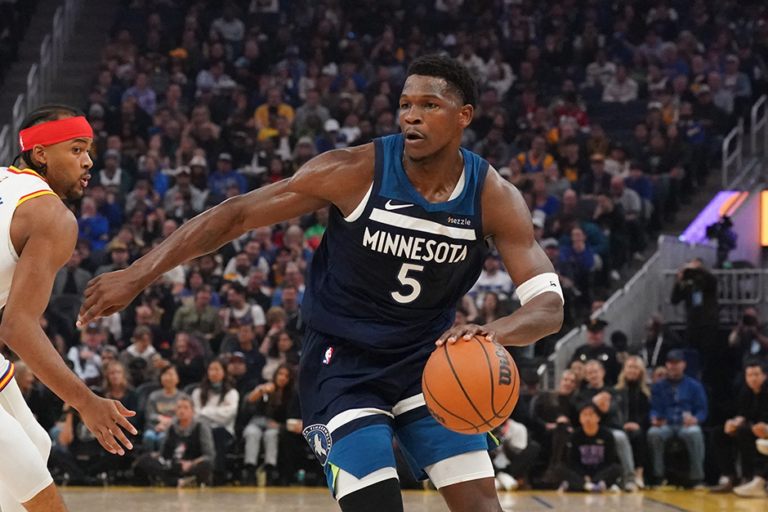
x=605 y=115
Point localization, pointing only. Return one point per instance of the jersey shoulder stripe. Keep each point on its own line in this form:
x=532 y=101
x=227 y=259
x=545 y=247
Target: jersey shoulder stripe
x=33 y=195
x=6 y=378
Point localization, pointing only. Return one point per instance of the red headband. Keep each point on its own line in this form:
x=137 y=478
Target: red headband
x=54 y=132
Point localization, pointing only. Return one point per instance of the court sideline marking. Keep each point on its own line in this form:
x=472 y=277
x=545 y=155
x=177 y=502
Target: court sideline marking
x=541 y=500
x=681 y=509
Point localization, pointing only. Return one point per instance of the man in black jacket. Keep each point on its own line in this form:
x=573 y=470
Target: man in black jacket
x=594 y=464
x=188 y=453
x=741 y=432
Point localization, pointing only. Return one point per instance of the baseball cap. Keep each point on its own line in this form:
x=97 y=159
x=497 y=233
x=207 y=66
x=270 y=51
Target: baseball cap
x=225 y=156
x=548 y=243
x=93 y=326
x=703 y=89
x=597 y=157
x=676 y=355
x=198 y=161
x=117 y=245
x=538 y=222
x=237 y=355
x=112 y=153
x=596 y=325
x=332 y=125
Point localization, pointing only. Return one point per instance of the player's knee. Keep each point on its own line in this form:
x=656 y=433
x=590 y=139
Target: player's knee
x=347 y=484
x=40 y=439
x=381 y=496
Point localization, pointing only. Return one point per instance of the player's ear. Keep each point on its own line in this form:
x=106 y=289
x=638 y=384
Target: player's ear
x=39 y=155
x=465 y=115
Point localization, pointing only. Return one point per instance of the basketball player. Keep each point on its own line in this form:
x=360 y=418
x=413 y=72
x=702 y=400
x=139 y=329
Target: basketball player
x=40 y=236
x=406 y=239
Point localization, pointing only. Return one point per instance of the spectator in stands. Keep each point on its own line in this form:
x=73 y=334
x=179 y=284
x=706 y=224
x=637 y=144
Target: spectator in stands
x=274 y=104
x=160 y=410
x=184 y=193
x=721 y=97
x=537 y=159
x=71 y=280
x=118 y=253
x=493 y=278
x=225 y=176
x=596 y=349
x=740 y=434
x=579 y=257
x=188 y=454
x=635 y=403
x=593 y=461
x=241 y=270
x=515 y=456
x=117 y=387
x=246 y=344
x=215 y=402
x=231 y=28
x=141 y=348
x=750 y=337
x=311 y=108
x=633 y=208
x=597 y=180
x=554 y=416
x=601 y=72
x=678 y=408
x=294 y=277
x=571 y=111
x=92 y=225
x=572 y=163
x=188 y=359
x=737 y=82
x=267 y=409
x=556 y=183
x=279 y=349
x=86 y=357
x=622 y=88
x=199 y=317
x=659 y=340
x=609 y=405
x=542 y=199
x=240 y=312
x=145 y=96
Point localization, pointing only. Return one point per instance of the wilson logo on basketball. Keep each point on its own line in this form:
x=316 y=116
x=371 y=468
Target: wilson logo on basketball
x=505 y=372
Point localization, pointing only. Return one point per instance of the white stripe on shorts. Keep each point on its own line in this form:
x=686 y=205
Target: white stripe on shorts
x=409 y=404
x=345 y=417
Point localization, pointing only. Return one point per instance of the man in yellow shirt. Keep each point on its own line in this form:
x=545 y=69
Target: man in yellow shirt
x=273 y=106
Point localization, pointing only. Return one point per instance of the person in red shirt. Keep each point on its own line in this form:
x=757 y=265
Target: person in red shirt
x=571 y=110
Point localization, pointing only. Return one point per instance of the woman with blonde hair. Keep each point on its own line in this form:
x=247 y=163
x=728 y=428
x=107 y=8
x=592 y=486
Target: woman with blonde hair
x=633 y=386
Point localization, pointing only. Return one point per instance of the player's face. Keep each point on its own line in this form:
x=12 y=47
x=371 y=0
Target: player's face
x=755 y=377
x=431 y=116
x=68 y=164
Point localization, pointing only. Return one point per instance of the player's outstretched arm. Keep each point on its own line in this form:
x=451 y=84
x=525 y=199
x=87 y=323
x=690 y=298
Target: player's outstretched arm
x=507 y=221
x=48 y=232
x=329 y=178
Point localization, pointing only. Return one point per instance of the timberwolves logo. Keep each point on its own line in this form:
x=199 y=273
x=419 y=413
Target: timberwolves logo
x=319 y=440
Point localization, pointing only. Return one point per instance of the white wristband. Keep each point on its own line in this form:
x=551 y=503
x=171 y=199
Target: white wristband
x=548 y=282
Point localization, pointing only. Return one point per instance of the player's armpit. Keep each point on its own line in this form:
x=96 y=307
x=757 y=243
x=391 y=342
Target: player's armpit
x=507 y=221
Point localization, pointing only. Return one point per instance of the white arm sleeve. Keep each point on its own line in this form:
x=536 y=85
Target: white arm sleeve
x=548 y=282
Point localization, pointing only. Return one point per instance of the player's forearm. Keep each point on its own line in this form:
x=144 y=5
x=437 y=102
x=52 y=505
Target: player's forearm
x=35 y=349
x=541 y=316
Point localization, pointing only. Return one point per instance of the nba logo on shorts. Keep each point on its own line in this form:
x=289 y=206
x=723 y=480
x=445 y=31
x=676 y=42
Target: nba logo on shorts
x=319 y=439
x=328 y=355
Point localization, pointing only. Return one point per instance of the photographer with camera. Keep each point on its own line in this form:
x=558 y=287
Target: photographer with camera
x=750 y=337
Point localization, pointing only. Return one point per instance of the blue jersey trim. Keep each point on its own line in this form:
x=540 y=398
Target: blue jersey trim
x=397 y=185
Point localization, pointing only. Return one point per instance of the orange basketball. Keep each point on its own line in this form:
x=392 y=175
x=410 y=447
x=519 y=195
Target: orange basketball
x=471 y=386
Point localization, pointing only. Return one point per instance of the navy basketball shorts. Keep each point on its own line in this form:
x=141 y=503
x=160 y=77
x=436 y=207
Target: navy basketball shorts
x=355 y=400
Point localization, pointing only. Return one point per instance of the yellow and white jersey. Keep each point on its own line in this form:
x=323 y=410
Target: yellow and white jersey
x=16 y=186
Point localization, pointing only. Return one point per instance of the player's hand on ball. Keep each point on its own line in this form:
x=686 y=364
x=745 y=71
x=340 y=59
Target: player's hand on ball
x=104 y=418
x=465 y=332
x=107 y=294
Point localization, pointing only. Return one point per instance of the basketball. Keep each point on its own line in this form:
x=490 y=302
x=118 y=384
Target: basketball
x=471 y=386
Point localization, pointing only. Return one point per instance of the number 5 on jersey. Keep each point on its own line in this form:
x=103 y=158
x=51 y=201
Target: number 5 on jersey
x=415 y=286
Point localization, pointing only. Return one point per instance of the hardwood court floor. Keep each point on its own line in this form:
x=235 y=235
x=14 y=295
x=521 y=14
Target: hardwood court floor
x=319 y=500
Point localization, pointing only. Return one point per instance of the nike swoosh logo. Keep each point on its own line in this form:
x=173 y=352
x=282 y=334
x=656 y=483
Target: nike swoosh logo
x=390 y=206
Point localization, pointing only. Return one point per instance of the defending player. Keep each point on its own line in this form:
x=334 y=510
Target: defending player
x=41 y=234
x=405 y=241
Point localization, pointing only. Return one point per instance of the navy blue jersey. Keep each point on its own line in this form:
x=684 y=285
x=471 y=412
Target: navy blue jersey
x=390 y=279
